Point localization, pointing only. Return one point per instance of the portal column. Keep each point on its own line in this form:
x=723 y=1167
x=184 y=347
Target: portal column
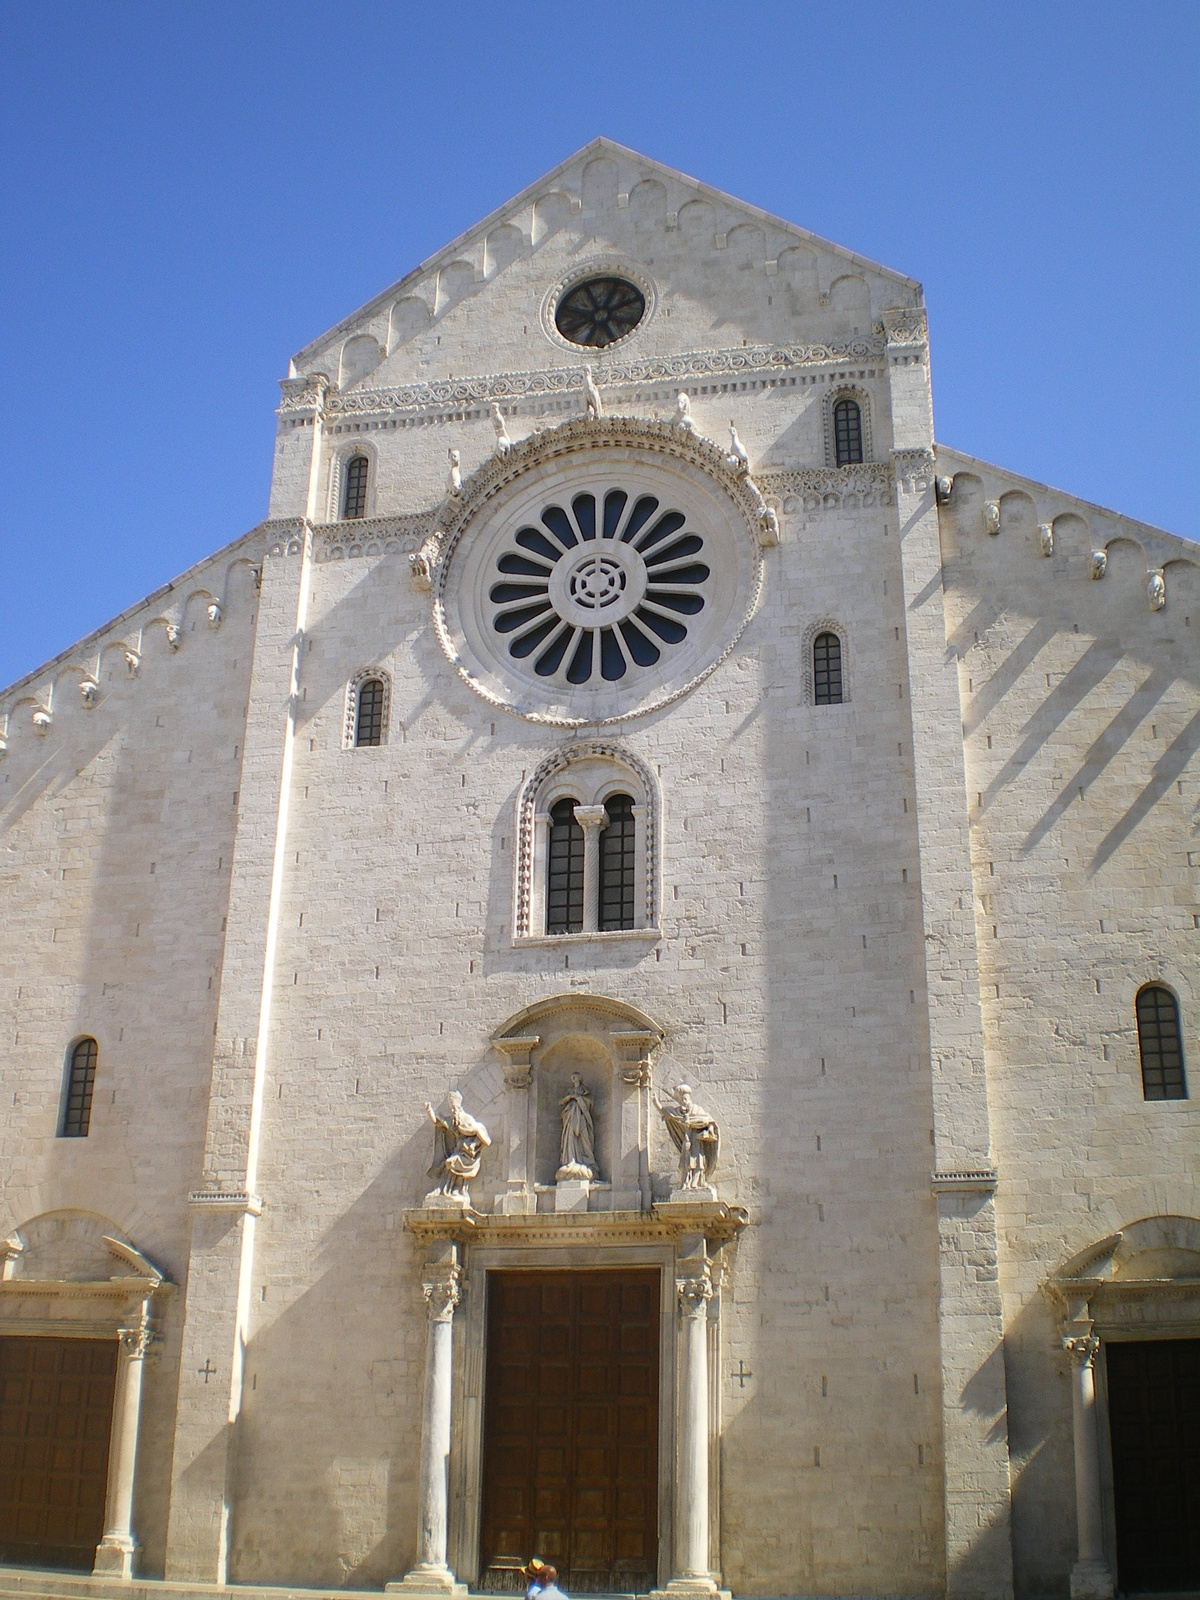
x=693 y=1287
x=442 y=1288
x=1091 y=1578
x=593 y=820
x=116 y=1551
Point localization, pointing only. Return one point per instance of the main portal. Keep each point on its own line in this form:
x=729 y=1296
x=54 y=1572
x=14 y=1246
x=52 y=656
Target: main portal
x=571 y=1429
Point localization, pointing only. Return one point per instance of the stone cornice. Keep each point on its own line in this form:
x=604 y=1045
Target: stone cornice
x=302 y=397
x=717 y=1221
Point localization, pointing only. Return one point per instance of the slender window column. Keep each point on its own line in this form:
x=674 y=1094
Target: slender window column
x=116 y=1551
x=1091 y=1578
x=593 y=820
x=442 y=1288
x=537 y=884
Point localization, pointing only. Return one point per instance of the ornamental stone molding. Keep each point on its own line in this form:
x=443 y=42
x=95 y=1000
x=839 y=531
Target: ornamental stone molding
x=303 y=397
x=914 y=469
x=627 y=655
x=862 y=399
x=905 y=326
x=372 y=536
x=808 y=639
x=587 y=756
x=814 y=490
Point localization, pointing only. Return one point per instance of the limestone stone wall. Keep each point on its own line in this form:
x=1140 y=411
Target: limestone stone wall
x=118 y=825
x=1081 y=720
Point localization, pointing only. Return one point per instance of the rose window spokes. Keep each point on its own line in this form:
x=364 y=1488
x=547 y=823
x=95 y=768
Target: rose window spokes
x=600 y=589
x=599 y=312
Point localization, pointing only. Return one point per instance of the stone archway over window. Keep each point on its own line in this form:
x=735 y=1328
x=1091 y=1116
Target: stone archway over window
x=76 y=1294
x=590 y=774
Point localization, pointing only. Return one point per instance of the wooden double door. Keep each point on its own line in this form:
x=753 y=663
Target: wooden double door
x=56 y=1405
x=571 y=1429
x=1154 y=1423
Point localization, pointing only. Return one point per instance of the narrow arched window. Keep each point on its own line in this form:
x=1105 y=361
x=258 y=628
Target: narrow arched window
x=618 y=861
x=368 y=715
x=81 y=1076
x=847 y=433
x=1160 y=1044
x=564 y=886
x=354 y=501
x=827 y=670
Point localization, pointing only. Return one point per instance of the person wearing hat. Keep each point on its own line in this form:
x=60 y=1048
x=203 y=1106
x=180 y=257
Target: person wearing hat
x=535 y=1576
x=548 y=1588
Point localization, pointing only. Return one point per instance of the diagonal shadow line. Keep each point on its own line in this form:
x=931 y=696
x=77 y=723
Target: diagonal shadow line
x=1093 y=666
x=978 y=621
x=1102 y=751
x=1166 y=770
x=1006 y=674
x=927 y=593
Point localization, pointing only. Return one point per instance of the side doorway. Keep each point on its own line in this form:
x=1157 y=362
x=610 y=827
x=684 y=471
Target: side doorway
x=1154 y=1423
x=56 y=1408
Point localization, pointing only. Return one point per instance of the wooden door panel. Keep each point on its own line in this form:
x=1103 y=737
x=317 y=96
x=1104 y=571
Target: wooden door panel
x=586 y=1471
x=56 y=1399
x=1154 y=1416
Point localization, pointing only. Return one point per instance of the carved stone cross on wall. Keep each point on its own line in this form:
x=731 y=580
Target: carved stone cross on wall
x=207 y=1371
x=743 y=1372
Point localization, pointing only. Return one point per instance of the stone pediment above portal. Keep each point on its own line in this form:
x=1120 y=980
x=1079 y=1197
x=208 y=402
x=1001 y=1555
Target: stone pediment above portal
x=76 y=1248
x=1146 y=1278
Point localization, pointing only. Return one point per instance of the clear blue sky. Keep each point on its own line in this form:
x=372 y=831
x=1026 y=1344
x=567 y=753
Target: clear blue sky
x=191 y=192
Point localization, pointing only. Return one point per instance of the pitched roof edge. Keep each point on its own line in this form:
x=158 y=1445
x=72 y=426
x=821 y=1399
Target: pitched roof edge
x=1192 y=546
x=485 y=224
x=97 y=634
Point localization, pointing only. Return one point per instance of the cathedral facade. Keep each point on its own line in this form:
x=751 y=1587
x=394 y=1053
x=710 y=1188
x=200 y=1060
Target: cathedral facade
x=617 y=980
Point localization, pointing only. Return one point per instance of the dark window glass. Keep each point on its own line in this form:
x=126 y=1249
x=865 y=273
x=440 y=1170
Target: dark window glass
x=847 y=432
x=617 y=862
x=827 y=669
x=78 y=1111
x=1160 y=1045
x=355 y=502
x=564 y=887
x=600 y=312
x=368 y=720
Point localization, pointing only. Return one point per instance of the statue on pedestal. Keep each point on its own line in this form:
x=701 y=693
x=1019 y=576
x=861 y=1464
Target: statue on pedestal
x=459 y=1141
x=577 y=1148
x=696 y=1136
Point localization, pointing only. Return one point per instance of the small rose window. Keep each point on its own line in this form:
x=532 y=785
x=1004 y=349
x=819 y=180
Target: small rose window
x=602 y=589
x=599 y=312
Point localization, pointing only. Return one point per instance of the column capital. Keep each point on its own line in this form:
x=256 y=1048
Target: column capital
x=693 y=1293
x=517 y=1053
x=1082 y=1348
x=591 y=817
x=442 y=1291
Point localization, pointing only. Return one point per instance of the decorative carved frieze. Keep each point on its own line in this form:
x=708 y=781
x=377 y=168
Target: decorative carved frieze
x=818 y=489
x=301 y=396
x=906 y=325
x=964 y=1180
x=374 y=536
x=914 y=470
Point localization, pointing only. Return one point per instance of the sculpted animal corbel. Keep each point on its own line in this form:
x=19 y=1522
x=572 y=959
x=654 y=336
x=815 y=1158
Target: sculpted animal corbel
x=591 y=395
x=424 y=564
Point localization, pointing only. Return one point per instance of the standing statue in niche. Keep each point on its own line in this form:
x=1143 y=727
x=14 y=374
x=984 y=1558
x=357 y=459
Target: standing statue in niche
x=459 y=1141
x=577 y=1148
x=695 y=1135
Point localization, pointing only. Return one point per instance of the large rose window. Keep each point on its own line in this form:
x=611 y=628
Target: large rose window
x=603 y=586
x=599 y=569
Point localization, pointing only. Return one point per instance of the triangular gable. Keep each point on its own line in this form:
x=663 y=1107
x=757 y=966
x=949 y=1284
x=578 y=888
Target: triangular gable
x=569 y=174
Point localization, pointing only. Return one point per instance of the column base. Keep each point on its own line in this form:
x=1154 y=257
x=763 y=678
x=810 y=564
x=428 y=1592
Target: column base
x=1091 y=1580
x=115 y=1556
x=690 y=1589
x=424 y=1580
